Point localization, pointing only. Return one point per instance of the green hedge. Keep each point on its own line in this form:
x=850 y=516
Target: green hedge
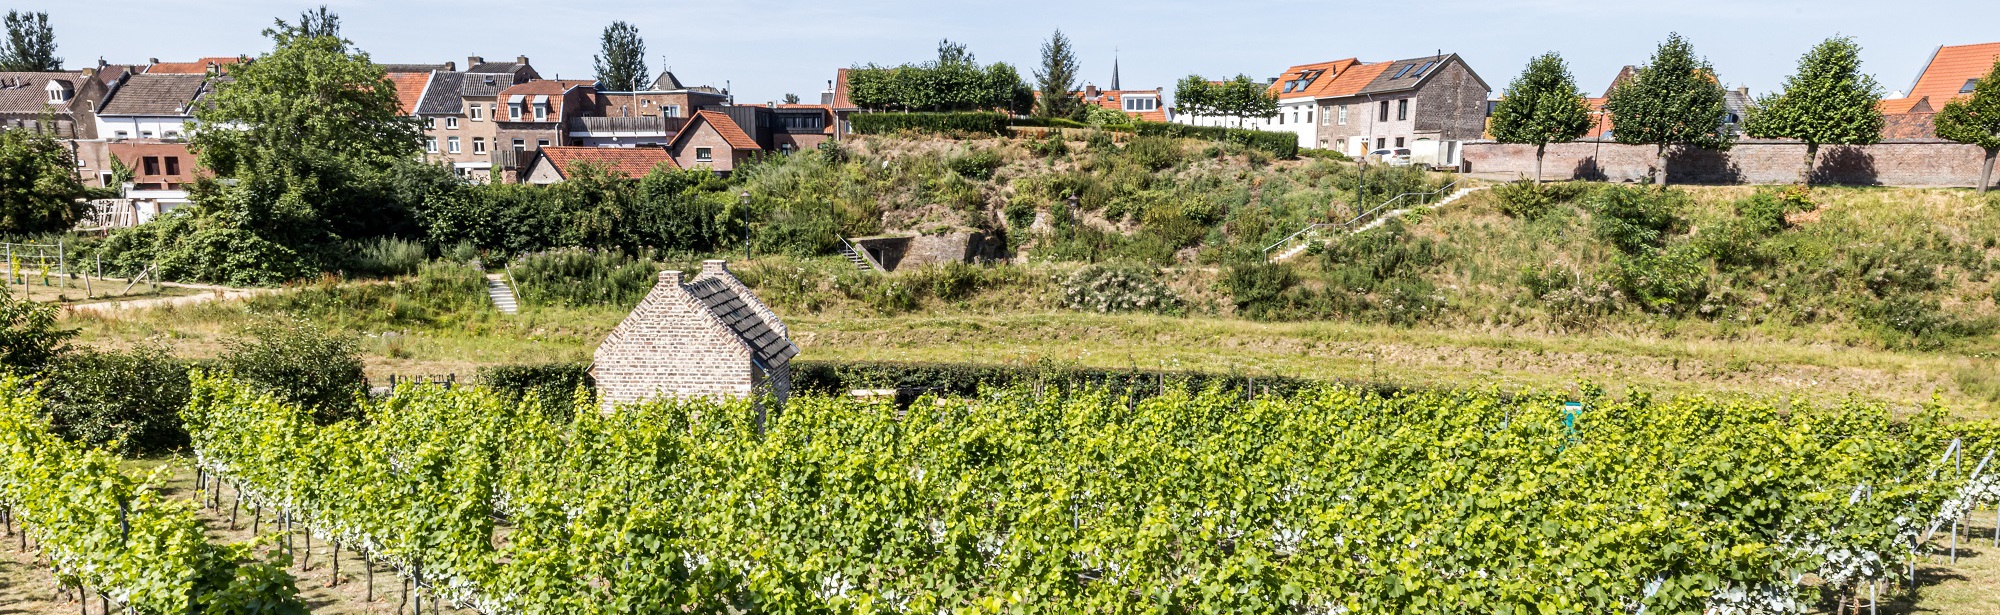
x=555 y=383
x=942 y=123
x=1282 y=144
x=912 y=379
x=1048 y=122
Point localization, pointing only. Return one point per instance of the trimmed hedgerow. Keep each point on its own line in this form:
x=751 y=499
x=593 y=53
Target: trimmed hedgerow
x=943 y=123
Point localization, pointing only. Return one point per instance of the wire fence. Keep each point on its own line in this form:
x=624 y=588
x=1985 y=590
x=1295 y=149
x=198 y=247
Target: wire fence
x=52 y=266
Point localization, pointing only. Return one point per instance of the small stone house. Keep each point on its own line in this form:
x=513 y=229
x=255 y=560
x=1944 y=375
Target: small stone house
x=705 y=337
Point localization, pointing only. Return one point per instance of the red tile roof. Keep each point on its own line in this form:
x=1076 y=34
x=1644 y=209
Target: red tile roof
x=632 y=162
x=1328 y=72
x=1349 y=82
x=730 y=132
x=552 y=88
x=409 y=89
x=197 y=67
x=840 y=99
x=1950 y=68
x=1114 y=100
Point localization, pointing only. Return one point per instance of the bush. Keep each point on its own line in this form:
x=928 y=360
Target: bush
x=1154 y=153
x=1528 y=200
x=1051 y=146
x=385 y=256
x=1324 y=154
x=30 y=338
x=301 y=364
x=977 y=164
x=126 y=402
x=555 y=384
x=968 y=124
x=1281 y=144
x=1118 y=288
x=575 y=277
x=1637 y=219
x=1664 y=281
x=1047 y=122
x=1258 y=289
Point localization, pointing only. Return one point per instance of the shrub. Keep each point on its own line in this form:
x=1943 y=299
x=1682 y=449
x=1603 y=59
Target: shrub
x=385 y=256
x=1154 y=153
x=953 y=281
x=1637 y=219
x=30 y=337
x=1528 y=200
x=1047 y=122
x=1118 y=288
x=1281 y=144
x=839 y=377
x=977 y=164
x=1664 y=281
x=1324 y=154
x=301 y=364
x=1051 y=146
x=554 y=384
x=968 y=124
x=126 y=402
x=575 y=277
x=1258 y=289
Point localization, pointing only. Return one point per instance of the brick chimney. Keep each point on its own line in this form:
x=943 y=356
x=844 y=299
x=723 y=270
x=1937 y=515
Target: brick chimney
x=670 y=277
x=450 y=67
x=1090 y=91
x=714 y=267
x=471 y=61
x=521 y=60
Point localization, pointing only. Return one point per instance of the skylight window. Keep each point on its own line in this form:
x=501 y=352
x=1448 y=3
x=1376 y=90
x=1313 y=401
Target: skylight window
x=1405 y=71
x=1969 y=84
x=1427 y=68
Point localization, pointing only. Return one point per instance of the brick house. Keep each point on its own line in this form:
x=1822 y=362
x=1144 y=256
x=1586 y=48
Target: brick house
x=1144 y=105
x=536 y=114
x=1431 y=105
x=462 y=107
x=705 y=337
x=666 y=97
x=837 y=101
x=1736 y=101
x=1298 y=91
x=782 y=128
x=712 y=140
x=68 y=98
x=152 y=106
x=552 y=164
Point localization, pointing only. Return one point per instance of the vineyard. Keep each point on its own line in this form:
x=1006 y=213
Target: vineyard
x=100 y=528
x=1327 y=501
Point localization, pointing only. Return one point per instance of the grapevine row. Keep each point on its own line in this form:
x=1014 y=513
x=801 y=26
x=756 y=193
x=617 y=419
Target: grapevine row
x=1329 y=501
x=101 y=527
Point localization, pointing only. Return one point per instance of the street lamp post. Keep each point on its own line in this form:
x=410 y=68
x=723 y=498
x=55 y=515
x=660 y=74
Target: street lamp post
x=746 y=224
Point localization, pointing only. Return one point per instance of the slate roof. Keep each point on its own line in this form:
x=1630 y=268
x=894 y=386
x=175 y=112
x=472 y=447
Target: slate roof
x=27 y=93
x=475 y=83
x=444 y=96
x=156 y=94
x=411 y=68
x=633 y=162
x=771 y=349
x=667 y=82
x=1949 y=70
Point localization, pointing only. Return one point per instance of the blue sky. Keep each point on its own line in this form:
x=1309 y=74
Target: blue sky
x=766 y=48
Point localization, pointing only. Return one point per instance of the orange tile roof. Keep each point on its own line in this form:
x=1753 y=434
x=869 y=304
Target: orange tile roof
x=723 y=125
x=840 y=91
x=1114 y=100
x=552 y=88
x=1350 y=82
x=1336 y=68
x=632 y=162
x=1950 y=68
x=197 y=67
x=409 y=89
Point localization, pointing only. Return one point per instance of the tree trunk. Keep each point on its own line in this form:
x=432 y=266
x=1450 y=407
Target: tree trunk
x=1812 y=156
x=1986 y=171
x=1660 y=166
x=1539 y=149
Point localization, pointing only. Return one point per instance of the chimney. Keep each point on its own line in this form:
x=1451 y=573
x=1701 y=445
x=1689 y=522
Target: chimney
x=152 y=61
x=471 y=61
x=450 y=67
x=100 y=62
x=1270 y=81
x=521 y=60
x=1745 y=90
x=670 y=277
x=1090 y=91
x=714 y=267
x=773 y=104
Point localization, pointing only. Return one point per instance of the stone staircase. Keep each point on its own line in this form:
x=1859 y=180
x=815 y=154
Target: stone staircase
x=860 y=262
x=1372 y=224
x=502 y=294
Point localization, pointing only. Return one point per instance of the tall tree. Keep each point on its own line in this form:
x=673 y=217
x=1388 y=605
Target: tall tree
x=1672 y=101
x=1541 y=106
x=1829 y=101
x=1194 y=96
x=791 y=99
x=30 y=44
x=39 y=189
x=1975 y=120
x=953 y=53
x=316 y=23
x=1056 y=79
x=1245 y=98
x=622 y=62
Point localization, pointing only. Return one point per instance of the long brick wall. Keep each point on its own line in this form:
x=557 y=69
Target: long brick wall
x=1895 y=163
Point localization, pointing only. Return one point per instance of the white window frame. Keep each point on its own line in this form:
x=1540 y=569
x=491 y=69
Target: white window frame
x=477 y=114
x=541 y=142
x=704 y=154
x=431 y=145
x=451 y=122
x=479 y=145
x=520 y=144
x=145 y=134
x=514 y=111
x=451 y=145
x=120 y=134
x=541 y=112
x=1343 y=115
x=671 y=110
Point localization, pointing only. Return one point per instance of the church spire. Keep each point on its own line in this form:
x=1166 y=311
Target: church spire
x=1114 y=71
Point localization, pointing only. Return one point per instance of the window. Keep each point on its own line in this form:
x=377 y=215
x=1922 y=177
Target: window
x=1427 y=68
x=672 y=110
x=541 y=142
x=1381 y=143
x=802 y=122
x=704 y=154
x=1340 y=144
x=1343 y=115
x=121 y=135
x=490 y=107
x=541 y=112
x=173 y=165
x=451 y=123
x=1399 y=141
x=150 y=165
x=1385 y=111
x=479 y=145
x=1403 y=109
x=786 y=148
x=145 y=134
x=477 y=116
x=430 y=123
x=1969 y=84
x=1141 y=104
x=173 y=134
x=1309 y=116
x=451 y=145
x=520 y=145
x=514 y=111
x=1404 y=71
x=104 y=178
x=431 y=145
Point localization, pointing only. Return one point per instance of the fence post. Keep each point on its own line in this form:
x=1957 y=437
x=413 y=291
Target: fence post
x=62 y=266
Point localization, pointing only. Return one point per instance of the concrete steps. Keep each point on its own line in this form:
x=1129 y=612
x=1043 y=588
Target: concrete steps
x=1372 y=224
x=501 y=293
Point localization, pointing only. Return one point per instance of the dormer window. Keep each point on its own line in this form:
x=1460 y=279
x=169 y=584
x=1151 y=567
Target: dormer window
x=1141 y=104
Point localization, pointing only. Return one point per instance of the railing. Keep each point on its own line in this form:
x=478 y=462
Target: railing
x=856 y=250
x=1366 y=217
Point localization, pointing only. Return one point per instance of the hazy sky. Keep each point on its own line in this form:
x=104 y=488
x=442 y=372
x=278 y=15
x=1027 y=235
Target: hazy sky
x=768 y=48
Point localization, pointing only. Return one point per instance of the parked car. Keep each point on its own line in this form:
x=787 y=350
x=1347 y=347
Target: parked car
x=1395 y=157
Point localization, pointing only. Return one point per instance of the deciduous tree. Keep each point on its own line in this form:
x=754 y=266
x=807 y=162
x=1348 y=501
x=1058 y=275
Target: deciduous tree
x=1672 y=101
x=1540 y=107
x=1975 y=120
x=30 y=44
x=1195 y=96
x=39 y=189
x=1056 y=80
x=621 y=64
x=1829 y=101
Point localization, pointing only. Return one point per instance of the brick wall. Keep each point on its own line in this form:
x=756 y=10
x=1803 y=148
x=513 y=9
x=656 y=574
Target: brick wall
x=684 y=151
x=671 y=346
x=1898 y=163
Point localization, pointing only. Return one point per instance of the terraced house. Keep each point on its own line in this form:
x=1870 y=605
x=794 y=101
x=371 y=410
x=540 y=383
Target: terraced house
x=460 y=111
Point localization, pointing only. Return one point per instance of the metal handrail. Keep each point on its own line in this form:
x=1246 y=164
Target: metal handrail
x=863 y=254
x=1359 y=219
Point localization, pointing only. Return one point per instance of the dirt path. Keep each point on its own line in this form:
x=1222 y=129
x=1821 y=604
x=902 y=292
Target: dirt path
x=216 y=293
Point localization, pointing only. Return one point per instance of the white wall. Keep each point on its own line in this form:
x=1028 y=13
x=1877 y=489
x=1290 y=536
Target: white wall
x=138 y=126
